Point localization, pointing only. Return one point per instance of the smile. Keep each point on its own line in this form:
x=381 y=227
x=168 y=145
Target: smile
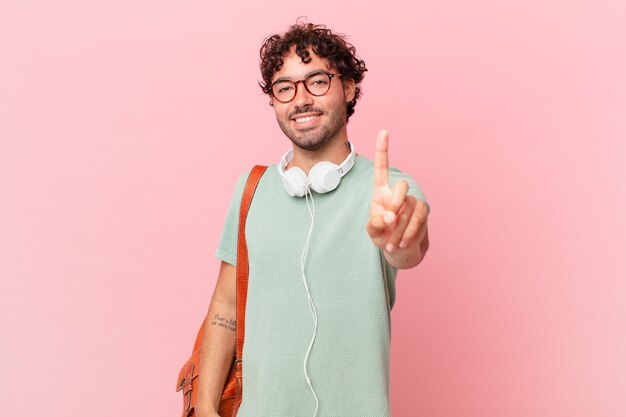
x=305 y=119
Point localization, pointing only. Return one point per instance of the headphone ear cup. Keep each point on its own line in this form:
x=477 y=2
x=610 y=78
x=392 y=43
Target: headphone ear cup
x=295 y=182
x=324 y=177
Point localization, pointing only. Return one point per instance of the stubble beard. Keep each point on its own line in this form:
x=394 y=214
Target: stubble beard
x=318 y=137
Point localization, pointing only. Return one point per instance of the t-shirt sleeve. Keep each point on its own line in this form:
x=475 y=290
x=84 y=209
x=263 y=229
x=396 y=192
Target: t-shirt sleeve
x=414 y=189
x=227 y=248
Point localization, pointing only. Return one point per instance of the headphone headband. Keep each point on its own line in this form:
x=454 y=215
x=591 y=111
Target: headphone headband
x=323 y=177
x=342 y=169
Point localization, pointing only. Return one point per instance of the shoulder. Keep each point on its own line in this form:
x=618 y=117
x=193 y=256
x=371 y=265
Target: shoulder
x=240 y=183
x=242 y=178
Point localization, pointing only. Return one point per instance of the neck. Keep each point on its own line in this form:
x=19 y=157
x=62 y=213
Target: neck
x=336 y=152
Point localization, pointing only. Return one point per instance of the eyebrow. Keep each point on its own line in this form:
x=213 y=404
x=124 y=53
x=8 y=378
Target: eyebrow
x=308 y=74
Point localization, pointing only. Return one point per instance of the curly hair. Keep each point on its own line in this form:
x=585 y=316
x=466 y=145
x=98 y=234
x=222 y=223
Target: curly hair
x=340 y=54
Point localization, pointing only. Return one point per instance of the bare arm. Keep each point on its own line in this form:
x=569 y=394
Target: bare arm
x=218 y=343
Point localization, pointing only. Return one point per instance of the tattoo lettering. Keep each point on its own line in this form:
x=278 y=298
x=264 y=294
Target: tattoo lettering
x=220 y=321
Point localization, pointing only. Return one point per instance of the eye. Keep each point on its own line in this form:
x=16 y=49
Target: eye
x=318 y=79
x=282 y=88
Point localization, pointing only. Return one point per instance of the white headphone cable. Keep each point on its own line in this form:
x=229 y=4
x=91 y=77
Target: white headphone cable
x=311 y=306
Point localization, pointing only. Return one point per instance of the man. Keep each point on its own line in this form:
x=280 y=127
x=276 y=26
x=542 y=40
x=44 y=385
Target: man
x=322 y=266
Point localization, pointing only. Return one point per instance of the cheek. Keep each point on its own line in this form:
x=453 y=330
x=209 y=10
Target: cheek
x=338 y=102
x=341 y=96
x=280 y=111
x=333 y=101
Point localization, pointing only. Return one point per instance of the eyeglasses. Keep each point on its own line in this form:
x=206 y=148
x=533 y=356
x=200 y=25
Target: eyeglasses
x=317 y=84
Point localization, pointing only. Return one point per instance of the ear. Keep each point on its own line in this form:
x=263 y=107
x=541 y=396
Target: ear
x=349 y=89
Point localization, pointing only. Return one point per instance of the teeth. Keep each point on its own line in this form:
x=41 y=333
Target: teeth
x=305 y=119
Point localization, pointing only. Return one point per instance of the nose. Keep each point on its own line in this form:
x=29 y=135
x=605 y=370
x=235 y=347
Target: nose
x=302 y=97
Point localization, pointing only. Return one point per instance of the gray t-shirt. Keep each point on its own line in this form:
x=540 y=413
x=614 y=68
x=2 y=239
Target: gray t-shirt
x=352 y=288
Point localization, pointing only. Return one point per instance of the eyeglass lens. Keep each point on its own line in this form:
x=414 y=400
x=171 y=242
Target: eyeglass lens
x=317 y=84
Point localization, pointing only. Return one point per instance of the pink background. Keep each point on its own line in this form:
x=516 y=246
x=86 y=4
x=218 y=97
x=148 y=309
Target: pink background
x=123 y=127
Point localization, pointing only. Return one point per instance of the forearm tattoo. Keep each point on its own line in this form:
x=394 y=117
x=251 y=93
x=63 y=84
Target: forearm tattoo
x=220 y=321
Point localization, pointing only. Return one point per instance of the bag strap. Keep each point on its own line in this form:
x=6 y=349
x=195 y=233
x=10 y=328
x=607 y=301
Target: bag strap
x=242 y=258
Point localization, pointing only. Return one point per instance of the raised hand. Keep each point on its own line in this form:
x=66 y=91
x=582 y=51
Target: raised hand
x=397 y=222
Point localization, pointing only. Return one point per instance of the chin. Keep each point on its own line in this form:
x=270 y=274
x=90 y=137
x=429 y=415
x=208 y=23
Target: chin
x=309 y=142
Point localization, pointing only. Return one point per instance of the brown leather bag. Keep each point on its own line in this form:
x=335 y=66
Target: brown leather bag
x=188 y=375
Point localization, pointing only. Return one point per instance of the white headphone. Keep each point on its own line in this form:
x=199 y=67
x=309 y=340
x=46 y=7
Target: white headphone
x=323 y=177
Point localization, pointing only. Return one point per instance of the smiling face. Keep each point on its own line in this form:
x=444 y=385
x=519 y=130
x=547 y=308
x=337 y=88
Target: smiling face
x=311 y=122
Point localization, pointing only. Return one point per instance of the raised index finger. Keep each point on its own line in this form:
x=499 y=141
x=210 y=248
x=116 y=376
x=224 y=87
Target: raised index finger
x=381 y=160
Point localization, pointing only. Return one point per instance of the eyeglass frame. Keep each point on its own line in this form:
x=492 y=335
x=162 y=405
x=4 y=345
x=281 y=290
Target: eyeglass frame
x=295 y=83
